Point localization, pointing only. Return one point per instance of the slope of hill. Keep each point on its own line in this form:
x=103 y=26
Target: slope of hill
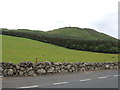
x=18 y=49
x=72 y=38
x=82 y=33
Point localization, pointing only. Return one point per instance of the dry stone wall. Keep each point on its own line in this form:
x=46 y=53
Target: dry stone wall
x=42 y=68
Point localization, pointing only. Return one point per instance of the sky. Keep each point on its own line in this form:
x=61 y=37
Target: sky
x=101 y=15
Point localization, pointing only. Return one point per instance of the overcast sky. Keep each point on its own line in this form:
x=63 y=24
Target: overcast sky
x=101 y=15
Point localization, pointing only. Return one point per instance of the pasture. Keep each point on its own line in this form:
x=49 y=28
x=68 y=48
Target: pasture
x=17 y=49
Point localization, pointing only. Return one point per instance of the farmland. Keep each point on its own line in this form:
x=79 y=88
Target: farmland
x=17 y=49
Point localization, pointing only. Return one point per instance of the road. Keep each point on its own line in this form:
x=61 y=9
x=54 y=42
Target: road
x=94 y=79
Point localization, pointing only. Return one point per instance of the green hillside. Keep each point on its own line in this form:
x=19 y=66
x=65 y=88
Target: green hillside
x=83 y=33
x=71 y=38
x=18 y=49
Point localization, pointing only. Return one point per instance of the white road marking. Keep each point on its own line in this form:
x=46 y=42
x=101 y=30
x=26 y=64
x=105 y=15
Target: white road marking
x=85 y=80
x=29 y=86
x=101 y=77
x=60 y=83
x=107 y=75
x=116 y=75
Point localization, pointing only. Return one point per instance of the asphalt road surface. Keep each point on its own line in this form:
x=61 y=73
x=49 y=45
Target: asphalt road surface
x=94 y=79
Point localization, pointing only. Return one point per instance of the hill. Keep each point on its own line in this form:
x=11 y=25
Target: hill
x=72 y=38
x=18 y=49
x=81 y=33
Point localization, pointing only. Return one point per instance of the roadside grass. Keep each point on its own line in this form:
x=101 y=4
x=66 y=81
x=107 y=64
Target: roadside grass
x=15 y=49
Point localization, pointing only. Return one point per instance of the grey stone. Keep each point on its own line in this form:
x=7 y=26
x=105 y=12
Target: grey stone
x=21 y=73
x=50 y=70
x=10 y=72
x=41 y=71
x=28 y=69
x=68 y=66
x=21 y=68
x=64 y=71
x=5 y=72
x=34 y=75
x=106 y=66
x=31 y=73
x=1 y=69
x=17 y=67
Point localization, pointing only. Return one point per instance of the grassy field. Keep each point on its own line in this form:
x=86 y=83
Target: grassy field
x=17 y=49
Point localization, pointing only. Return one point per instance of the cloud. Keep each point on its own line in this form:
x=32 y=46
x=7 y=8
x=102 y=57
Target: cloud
x=51 y=14
x=108 y=24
